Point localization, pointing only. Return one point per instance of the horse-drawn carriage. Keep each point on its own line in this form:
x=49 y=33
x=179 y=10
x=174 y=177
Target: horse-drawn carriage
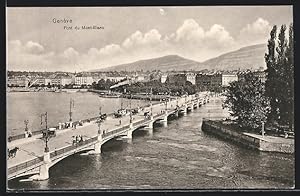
x=134 y=111
x=120 y=113
x=51 y=132
x=103 y=116
x=117 y=115
x=147 y=114
x=12 y=153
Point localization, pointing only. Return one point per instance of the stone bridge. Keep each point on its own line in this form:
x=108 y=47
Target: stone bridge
x=38 y=168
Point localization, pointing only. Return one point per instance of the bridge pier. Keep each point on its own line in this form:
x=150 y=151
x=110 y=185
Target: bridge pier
x=97 y=148
x=177 y=113
x=129 y=133
x=44 y=169
x=165 y=120
x=150 y=126
x=150 y=131
x=165 y=123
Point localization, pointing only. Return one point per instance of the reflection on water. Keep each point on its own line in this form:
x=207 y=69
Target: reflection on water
x=177 y=156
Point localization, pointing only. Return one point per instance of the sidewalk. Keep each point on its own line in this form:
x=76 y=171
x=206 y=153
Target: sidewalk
x=271 y=139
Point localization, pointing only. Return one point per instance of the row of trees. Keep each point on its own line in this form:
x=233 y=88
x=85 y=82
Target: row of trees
x=162 y=88
x=102 y=84
x=253 y=102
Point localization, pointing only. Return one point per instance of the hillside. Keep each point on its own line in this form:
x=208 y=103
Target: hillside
x=165 y=63
x=244 y=58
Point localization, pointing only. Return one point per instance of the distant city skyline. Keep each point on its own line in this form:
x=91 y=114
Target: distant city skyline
x=36 y=42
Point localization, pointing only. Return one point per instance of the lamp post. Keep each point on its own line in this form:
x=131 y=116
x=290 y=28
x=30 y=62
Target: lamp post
x=99 y=121
x=263 y=128
x=151 y=101
x=46 y=137
x=130 y=112
x=166 y=104
x=71 y=106
x=26 y=128
x=26 y=125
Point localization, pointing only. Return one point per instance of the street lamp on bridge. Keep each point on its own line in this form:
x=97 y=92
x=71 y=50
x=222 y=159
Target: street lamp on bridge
x=71 y=106
x=151 y=101
x=27 y=132
x=26 y=125
x=167 y=99
x=46 y=136
x=130 y=110
x=99 y=120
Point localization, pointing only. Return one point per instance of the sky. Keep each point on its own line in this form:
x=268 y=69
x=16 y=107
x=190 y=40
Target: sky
x=35 y=42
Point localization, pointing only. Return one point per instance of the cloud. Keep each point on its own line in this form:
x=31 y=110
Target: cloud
x=216 y=37
x=70 y=53
x=189 y=40
x=192 y=41
x=189 y=31
x=144 y=45
x=30 y=47
x=29 y=56
x=34 y=47
x=256 y=32
x=138 y=39
x=110 y=50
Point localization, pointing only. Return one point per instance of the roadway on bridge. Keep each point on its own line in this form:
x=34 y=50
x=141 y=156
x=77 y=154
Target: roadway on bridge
x=34 y=147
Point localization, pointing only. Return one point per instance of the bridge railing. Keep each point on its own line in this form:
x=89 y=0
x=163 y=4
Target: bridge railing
x=140 y=122
x=21 y=136
x=115 y=131
x=158 y=115
x=53 y=154
x=24 y=165
x=71 y=147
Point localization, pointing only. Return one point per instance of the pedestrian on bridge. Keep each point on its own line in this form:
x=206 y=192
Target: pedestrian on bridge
x=74 y=140
x=81 y=138
x=29 y=134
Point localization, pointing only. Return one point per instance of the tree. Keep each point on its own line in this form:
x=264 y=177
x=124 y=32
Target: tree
x=94 y=85
x=246 y=101
x=280 y=80
x=289 y=73
x=271 y=72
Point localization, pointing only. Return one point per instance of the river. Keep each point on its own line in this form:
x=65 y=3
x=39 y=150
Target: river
x=179 y=156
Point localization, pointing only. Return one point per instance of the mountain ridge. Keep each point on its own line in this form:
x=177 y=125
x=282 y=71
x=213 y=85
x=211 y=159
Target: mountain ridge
x=248 y=57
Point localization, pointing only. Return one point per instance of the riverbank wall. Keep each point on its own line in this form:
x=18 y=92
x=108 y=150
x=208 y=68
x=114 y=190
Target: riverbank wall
x=252 y=141
x=107 y=94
